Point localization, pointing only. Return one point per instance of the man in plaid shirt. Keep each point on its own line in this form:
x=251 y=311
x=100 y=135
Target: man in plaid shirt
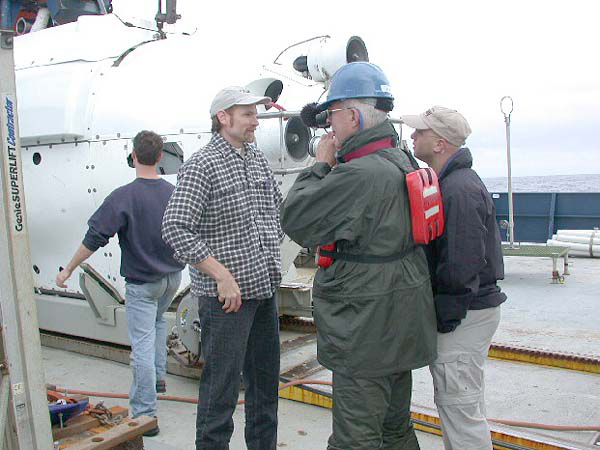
x=223 y=220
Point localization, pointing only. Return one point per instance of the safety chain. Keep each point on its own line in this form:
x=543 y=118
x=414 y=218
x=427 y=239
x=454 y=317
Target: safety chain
x=105 y=415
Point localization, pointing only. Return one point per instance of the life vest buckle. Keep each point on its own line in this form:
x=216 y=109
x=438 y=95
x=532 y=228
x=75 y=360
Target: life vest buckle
x=324 y=261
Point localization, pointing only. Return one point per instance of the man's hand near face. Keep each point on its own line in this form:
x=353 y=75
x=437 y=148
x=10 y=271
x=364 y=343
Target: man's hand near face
x=327 y=149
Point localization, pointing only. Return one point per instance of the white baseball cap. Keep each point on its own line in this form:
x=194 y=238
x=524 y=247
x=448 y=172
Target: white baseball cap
x=235 y=95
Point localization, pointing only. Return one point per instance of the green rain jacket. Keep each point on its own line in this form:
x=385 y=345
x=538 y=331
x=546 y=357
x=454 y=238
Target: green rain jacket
x=373 y=319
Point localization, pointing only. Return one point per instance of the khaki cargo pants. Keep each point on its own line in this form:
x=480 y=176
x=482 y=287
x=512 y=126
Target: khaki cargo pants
x=458 y=380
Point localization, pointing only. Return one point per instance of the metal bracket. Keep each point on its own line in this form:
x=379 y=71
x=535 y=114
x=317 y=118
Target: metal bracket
x=102 y=298
x=7 y=39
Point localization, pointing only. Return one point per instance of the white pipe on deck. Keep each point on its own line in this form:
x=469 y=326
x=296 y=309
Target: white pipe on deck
x=587 y=233
x=577 y=239
x=592 y=251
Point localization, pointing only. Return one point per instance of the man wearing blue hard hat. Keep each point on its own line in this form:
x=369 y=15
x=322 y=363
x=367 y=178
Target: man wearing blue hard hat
x=373 y=305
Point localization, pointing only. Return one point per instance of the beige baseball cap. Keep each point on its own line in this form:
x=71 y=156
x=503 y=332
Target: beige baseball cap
x=445 y=122
x=235 y=95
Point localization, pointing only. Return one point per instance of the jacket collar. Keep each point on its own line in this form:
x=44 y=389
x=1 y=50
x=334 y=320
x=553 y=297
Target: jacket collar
x=371 y=147
x=462 y=159
x=365 y=137
x=219 y=143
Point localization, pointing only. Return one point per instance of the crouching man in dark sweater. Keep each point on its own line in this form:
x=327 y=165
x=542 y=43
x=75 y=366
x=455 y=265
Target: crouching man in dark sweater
x=152 y=276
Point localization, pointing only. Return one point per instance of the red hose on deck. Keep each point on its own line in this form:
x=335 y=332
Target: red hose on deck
x=179 y=399
x=540 y=426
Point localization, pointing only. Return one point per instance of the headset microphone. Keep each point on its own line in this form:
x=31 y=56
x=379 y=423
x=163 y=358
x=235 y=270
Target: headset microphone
x=311 y=117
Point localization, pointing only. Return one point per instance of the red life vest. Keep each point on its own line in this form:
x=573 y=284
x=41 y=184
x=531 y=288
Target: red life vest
x=426 y=208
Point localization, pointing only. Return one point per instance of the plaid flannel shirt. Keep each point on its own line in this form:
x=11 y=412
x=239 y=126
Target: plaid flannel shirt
x=226 y=205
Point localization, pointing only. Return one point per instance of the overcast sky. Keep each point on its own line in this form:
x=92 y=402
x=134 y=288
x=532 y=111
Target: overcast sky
x=460 y=54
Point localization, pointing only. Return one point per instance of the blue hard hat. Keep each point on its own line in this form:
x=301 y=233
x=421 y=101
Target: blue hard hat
x=358 y=80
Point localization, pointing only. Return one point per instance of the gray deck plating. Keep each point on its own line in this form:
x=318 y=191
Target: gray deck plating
x=538 y=314
x=556 y=317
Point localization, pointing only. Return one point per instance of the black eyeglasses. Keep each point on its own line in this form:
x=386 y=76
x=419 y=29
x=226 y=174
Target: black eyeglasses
x=323 y=118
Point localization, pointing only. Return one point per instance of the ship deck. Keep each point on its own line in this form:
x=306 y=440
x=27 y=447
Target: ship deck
x=544 y=318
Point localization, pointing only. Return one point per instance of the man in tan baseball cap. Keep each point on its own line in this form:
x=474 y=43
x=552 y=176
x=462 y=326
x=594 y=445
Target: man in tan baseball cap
x=439 y=133
x=465 y=262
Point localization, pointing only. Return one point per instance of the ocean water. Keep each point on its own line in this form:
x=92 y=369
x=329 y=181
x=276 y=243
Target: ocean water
x=548 y=183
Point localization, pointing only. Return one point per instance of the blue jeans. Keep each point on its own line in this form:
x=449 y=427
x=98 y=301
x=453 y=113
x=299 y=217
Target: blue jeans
x=245 y=341
x=145 y=305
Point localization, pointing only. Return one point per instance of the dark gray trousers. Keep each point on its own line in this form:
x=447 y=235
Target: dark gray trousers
x=372 y=413
x=245 y=341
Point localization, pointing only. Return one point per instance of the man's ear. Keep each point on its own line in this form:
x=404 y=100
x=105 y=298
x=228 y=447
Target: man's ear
x=440 y=146
x=355 y=118
x=223 y=117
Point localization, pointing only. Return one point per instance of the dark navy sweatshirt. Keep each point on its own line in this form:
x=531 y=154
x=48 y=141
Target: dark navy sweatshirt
x=134 y=212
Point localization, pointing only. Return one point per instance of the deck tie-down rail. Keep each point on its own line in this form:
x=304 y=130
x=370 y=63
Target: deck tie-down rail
x=572 y=361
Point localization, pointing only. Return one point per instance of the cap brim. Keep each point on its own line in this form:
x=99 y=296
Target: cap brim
x=415 y=122
x=254 y=101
